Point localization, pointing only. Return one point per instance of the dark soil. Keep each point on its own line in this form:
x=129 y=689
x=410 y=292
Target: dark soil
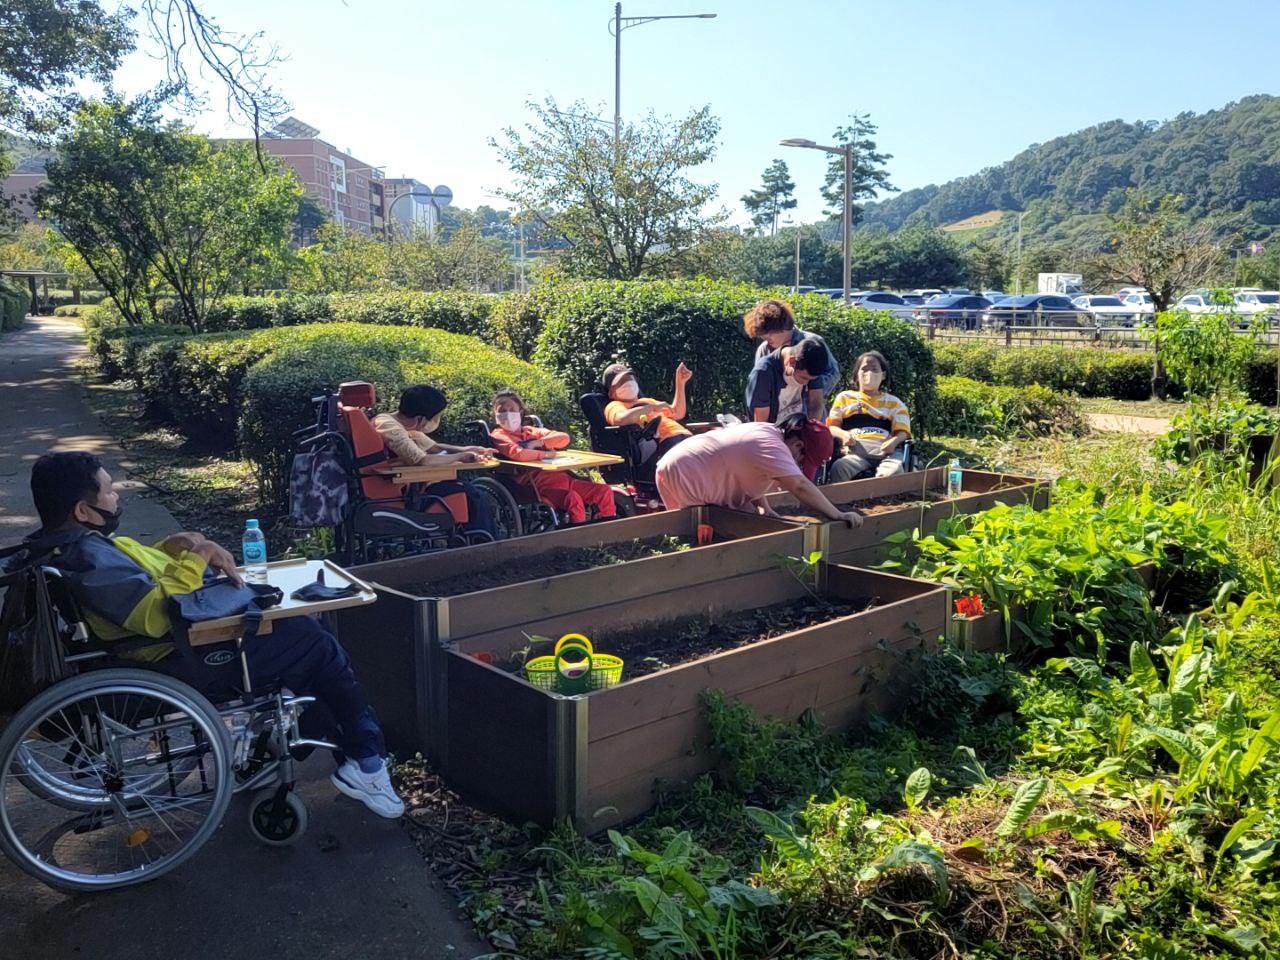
x=552 y=564
x=870 y=507
x=656 y=646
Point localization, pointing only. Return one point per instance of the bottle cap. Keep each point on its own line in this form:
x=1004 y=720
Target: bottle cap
x=251 y=524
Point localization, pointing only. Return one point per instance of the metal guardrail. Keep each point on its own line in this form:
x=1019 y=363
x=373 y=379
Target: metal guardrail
x=1035 y=335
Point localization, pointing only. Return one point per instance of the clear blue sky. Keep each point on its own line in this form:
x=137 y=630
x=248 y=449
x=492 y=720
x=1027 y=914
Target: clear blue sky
x=419 y=87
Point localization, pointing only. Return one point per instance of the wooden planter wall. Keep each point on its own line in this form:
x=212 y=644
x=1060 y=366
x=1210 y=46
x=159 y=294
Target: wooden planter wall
x=396 y=644
x=598 y=758
x=865 y=545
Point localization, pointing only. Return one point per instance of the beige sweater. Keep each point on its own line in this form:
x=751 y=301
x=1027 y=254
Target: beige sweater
x=405 y=446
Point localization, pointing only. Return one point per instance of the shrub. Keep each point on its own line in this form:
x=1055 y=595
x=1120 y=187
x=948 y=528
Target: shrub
x=968 y=408
x=277 y=390
x=14 y=304
x=1087 y=371
x=115 y=349
x=82 y=310
x=193 y=382
x=457 y=311
x=654 y=325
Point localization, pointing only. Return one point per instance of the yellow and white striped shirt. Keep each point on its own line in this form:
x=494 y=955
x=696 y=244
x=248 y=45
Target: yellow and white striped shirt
x=869 y=417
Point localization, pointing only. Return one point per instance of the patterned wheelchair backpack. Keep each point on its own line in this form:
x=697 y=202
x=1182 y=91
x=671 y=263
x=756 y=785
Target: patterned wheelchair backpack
x=318 y=490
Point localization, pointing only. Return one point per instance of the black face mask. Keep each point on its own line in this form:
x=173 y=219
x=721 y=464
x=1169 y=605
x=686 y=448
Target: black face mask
x=110 y=520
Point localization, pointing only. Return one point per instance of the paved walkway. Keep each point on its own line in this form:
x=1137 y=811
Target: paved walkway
x=354 y=886
x=1122 y=423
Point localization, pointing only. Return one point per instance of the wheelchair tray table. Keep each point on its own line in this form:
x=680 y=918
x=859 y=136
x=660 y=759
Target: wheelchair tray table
x=564 y=460
x=288 y=575
x=431 y=473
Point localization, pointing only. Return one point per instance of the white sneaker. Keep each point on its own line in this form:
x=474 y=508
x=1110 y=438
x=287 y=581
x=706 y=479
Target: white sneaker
x=374 y=790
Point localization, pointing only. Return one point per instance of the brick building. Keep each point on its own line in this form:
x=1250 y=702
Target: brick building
x=349 y=189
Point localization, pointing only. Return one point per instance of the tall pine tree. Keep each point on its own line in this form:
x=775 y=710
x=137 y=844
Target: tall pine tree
x=775 y=195
x=869 y=173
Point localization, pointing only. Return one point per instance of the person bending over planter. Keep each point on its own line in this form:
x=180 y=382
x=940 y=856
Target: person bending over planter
x=627 y=408
x=124 y=588
x=775 y=324
x=870 y=423
x=404 y=434
x=782 y=383
x=520 y=443
x=735 y=468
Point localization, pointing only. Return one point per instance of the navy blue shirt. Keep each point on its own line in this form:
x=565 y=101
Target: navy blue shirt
x=766 y=384
x=829 y=380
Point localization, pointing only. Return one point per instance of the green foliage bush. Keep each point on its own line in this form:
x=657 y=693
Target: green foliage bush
x=969 y=408
x=1086 y=371
x=655 y=325
x=14 y=304
x=115 y=349
x=304 y=360
x=458 y=311
x=1260 y=377
x=81 y=310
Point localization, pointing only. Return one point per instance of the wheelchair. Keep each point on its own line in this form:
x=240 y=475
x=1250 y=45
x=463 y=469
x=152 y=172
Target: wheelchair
x=119 y=772
x=531 y=513
x=905 y=454
x=381 y=521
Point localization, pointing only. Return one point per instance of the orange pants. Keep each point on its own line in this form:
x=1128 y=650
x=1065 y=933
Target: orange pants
x=571 y=495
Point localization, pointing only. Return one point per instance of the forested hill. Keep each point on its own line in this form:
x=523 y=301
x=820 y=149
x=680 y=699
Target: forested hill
x=1225 y=162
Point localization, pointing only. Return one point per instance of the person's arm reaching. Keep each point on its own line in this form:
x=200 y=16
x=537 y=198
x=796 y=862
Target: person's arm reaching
x=510 y=449
x=804 y=491
x=762 y=504
x=683 y=375
x=628 y=417
x=816 y=403
x=399 y=444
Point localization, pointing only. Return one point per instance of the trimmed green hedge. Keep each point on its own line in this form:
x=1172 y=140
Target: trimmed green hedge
x=115 y=349
x=1086 y=371
x=14 y=304
x=656 y=325
x=969 y=408
x=276 y=390
x=82 y=310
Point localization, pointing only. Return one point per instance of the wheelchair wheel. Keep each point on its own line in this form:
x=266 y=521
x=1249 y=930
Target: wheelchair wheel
x=149 y=784
x=506 y=515
x=277 y=821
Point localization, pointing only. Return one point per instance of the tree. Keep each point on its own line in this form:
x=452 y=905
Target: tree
x=989 y=265
x=45 y=47
x=869 y=174
x=1154 y=245
x=462 y=259
x=145 y=203
x=777 y=193
x=622 y=213
x=924 y=256
x=340 y=261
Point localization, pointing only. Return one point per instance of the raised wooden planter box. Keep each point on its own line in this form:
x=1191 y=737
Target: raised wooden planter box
x=597 y=758
x=396 y=643
x=865 y=545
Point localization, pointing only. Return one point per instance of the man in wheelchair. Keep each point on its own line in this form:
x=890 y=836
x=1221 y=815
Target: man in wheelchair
x=123 y=588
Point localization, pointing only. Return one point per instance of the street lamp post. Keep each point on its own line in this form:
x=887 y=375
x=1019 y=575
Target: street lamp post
x=845 y=151
x=391 y=226
x=1019 y=280
x=621 y=23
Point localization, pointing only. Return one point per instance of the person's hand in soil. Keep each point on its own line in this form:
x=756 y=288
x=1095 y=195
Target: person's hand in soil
x=766 y=510
x=852 y=518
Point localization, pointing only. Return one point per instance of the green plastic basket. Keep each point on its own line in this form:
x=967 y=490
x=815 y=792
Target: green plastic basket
x=574 y=667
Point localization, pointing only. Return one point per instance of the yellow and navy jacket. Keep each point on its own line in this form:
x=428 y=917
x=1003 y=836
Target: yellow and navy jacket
x=869 y=418
x=123 y=586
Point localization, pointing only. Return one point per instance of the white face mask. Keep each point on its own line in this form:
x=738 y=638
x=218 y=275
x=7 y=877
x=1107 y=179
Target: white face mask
x=869 y=380
x=509 y=420
x=628 y=391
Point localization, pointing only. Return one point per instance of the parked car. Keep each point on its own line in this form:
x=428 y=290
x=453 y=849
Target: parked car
x=1107 y=309
x=993 y=294
x=912 y=298
x=1250 y=303
x=1048 y=309
x=803 y=289
x=1198 y=303
x=1140 y=301
x=835 y=293
x=1125 y=291
x=884 y=302
x=928 y=292
x=953 y=310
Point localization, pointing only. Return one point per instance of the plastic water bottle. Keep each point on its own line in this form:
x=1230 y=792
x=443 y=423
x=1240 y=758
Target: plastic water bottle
x=955 y=479
x=253 y=547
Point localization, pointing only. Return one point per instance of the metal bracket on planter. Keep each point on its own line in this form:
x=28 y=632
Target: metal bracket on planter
x=568 y=758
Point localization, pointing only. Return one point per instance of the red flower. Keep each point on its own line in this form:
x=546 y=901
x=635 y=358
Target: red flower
x=970 y=606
